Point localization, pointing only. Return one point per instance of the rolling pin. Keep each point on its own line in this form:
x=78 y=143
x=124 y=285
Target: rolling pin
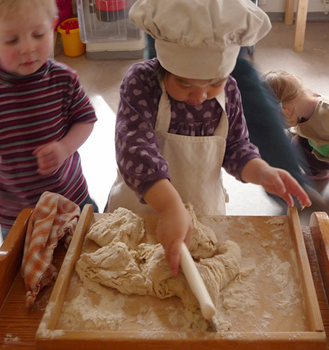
x=196 y=283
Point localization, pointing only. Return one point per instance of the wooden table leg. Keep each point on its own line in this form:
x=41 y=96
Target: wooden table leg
x=301 y=17
x=289 y=14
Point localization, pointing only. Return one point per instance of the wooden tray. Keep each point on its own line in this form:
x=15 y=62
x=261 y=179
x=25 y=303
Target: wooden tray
x=12 y=253
x=319 y=225
x=49 y=336
x=18 y=324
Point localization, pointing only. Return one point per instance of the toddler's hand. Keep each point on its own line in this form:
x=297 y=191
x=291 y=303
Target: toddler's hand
x=281 y=183
x=50 y=157
x=174 y=227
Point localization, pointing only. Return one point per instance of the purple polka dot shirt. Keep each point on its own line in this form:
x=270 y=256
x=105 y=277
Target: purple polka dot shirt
x=137 y=150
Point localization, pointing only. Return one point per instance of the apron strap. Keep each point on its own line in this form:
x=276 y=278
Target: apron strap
x=164 y=110
x=222 y=128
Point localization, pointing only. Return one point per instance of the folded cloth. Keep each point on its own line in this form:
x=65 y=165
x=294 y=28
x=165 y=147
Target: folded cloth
x=54 y=218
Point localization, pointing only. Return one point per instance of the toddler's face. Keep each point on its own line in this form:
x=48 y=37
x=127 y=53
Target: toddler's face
x=25 y=41
x=193 y=91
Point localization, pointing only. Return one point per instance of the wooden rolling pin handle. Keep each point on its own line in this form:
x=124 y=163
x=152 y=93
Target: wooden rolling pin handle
x=196 y=283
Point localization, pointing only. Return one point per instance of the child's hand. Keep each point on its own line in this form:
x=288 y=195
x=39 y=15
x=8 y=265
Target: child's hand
x=174 y=227
x=174 y=221
x=281 y=183
x=50 y=157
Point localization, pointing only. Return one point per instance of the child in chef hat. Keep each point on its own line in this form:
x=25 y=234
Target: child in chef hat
x=180 y=117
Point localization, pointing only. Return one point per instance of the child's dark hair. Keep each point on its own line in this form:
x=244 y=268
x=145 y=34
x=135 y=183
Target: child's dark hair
x=159 y=71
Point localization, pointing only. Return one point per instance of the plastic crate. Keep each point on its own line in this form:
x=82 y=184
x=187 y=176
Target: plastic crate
x=107 y=31
x=106 y=21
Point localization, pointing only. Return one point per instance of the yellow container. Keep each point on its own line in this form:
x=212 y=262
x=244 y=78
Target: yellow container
x=70 y=33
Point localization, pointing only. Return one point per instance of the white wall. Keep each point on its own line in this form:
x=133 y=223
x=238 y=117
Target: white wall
x=279 y=5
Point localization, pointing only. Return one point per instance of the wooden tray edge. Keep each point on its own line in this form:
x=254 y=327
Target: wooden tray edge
x=311 y=301
x=62 y=283
x=319 y=224
x=177 y=341
x=11 y=253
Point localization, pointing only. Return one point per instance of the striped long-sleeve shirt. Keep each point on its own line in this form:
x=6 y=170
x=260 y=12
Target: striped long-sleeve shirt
x=35 y=110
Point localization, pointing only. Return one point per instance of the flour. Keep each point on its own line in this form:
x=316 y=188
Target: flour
x=277 y=220
x=287 y=295
x=112 y=311
x=258 y=299
x=242 y=297
x=107 y=315
x=266 y=315
x=266 y=244
x=9 y=338
x=42 y=330
x=267 y=287
x=249 y=229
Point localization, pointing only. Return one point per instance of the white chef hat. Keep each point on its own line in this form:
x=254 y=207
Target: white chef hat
x=200 y=39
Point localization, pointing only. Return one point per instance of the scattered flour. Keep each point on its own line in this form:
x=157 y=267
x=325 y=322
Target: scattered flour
x=277 y=220
x=42 y=330
x=9 y=338
x=288 y=289
x=107 y=315
x=264 y=291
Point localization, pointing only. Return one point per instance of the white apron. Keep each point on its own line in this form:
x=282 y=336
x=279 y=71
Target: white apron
x=195 y=164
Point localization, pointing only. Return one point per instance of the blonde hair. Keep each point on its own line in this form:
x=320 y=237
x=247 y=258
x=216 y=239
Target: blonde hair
x=12 y=7
x=286 y=87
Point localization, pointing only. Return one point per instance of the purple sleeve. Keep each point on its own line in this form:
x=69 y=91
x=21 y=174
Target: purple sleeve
x=239 y=149
x=137 y=150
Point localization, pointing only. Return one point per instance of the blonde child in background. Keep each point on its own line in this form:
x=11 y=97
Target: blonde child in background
x=307 y=114
x=180 y=117
x=45 y=115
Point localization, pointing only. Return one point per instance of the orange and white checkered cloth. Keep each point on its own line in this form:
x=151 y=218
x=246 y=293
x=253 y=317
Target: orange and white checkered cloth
x=54 y=218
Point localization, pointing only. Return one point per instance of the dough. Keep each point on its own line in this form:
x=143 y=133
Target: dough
x=204 y=240
x=217 y=272
x=120 y=226
x=142 y=269
x=145 y=271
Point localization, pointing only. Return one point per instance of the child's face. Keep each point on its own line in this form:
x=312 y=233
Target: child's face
x=25 y=41
x=193 y=91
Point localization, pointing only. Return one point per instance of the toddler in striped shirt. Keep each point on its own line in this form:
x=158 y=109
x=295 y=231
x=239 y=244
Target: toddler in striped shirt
x=45 y=115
